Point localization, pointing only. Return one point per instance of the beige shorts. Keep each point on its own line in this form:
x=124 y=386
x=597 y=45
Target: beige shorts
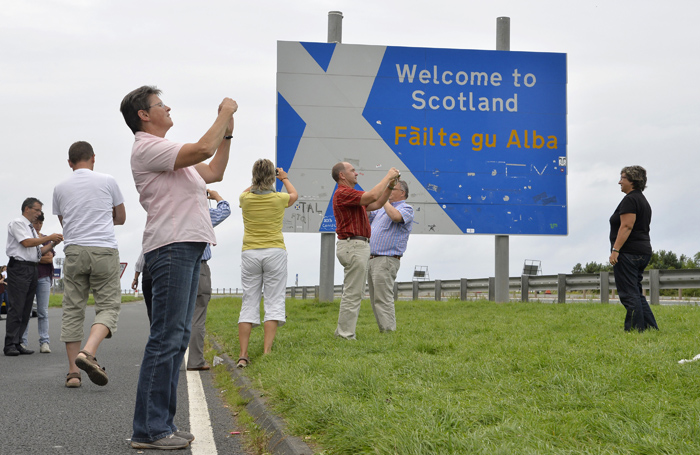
x=90 y=269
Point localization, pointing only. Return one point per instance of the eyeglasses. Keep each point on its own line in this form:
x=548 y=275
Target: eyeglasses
x=161 y=104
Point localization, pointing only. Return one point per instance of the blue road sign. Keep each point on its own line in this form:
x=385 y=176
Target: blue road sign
x=480 y=136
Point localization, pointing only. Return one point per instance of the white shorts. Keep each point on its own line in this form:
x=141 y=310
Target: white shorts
x=263 y=271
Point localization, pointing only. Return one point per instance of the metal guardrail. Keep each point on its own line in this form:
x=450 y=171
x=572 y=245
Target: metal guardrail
x=526 y=286
x=234 y=292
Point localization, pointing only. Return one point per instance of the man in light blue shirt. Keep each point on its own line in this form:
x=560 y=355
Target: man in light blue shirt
x=195 y=359
x=391 y=226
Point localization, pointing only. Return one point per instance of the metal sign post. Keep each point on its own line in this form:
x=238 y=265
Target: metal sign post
x=502 y=244
x=325 y=284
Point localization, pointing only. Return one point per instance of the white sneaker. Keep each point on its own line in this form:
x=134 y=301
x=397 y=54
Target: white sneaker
x=45 y=349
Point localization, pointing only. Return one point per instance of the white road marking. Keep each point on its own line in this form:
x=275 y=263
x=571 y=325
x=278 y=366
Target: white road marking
x=200 y=425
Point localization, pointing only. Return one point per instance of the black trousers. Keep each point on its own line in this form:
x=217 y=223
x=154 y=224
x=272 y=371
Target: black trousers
x=628 y=280
x=22 y=278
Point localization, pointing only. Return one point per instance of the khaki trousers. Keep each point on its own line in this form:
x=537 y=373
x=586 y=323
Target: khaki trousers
x=199 y=319
x=96 y=269
x=381 y=276
x=353 y=256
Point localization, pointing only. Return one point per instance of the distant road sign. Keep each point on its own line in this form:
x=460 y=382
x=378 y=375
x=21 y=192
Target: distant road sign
x=479 y=136
x=123 y=267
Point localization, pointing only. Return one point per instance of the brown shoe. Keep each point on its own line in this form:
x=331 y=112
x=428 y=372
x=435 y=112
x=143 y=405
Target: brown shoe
x=204 y=367
x=88 y=364
x=73 y=385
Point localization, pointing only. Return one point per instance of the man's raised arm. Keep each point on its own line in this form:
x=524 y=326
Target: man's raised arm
x=376 y=197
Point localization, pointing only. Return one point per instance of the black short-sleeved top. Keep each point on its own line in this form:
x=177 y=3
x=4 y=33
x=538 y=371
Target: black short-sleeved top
x=639 y=241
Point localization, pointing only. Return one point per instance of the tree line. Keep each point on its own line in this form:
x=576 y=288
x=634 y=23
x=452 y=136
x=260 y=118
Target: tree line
x=660 y=260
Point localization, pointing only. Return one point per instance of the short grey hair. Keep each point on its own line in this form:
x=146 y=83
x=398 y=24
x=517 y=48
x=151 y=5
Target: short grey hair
x=637 y=175
x=404 y=187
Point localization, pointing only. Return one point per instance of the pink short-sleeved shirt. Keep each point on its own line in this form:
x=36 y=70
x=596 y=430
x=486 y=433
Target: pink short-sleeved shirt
x=175 y=201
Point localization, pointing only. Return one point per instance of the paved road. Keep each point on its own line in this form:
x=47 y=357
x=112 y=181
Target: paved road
x=40 y=416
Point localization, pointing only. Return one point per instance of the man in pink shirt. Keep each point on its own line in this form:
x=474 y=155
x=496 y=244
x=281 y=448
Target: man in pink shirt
x=171 y=180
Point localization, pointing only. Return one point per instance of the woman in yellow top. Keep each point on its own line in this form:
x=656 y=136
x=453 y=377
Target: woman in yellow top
x=264 y=257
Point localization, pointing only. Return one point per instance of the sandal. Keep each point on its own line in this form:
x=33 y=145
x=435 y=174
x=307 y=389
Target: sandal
x=73 y=385
x=88 y=364
x=240 y=363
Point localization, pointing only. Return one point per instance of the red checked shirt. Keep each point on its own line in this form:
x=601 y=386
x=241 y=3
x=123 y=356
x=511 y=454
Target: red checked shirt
x=350 y=217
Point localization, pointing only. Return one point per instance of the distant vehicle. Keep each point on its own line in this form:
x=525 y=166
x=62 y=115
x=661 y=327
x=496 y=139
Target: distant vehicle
x=3 y=308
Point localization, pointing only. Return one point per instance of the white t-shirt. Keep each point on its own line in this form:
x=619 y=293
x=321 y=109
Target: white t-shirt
x=175 y=200
x=85 y=201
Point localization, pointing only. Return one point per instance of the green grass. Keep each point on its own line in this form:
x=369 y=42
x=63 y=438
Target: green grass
x=56 y=300
x=479 y=377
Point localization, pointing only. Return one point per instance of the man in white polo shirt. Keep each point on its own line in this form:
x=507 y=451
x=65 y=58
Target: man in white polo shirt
x=171 y=180
x=24 y=248
x=88 y=205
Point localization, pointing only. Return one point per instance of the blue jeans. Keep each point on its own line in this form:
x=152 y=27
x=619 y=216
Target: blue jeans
x=175 y=272
x=628 y=280
x=43 y=291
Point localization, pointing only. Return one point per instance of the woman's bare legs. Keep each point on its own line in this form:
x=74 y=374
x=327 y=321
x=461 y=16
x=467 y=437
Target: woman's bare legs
x=270 y=329
x=244 y=329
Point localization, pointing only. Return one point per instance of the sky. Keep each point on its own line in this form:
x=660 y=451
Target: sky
x=632 y=98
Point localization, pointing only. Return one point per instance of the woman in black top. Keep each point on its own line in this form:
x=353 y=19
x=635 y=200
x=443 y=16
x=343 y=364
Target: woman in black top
x=631 y=247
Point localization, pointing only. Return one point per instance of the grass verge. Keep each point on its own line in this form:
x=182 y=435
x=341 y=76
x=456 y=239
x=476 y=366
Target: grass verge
x=253 y=437
x=478 y=377
x=56 y=300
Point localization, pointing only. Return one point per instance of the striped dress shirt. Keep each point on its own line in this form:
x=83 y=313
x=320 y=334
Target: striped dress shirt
x=219 y=214
x=390 y=238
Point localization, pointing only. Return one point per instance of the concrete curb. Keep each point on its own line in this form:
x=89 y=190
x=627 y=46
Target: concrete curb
x=280 y=443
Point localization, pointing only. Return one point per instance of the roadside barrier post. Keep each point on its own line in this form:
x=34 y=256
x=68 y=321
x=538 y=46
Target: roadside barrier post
x=561 y=288
x=525 y=288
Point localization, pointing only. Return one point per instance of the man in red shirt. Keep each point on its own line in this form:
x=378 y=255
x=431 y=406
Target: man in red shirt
x=350 y=208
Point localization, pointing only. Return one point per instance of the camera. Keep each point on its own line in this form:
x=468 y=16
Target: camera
x=277 y=172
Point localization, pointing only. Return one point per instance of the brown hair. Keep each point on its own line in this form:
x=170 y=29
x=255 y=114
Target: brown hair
x=135 y=101
x=337 y=169
x=80 y=151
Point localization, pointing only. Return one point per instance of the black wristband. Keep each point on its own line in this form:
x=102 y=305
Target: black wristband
x=228 y=137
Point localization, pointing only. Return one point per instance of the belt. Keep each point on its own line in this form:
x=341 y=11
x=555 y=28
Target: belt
x=358 y=237
x=17 y=261
x=372 y=256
